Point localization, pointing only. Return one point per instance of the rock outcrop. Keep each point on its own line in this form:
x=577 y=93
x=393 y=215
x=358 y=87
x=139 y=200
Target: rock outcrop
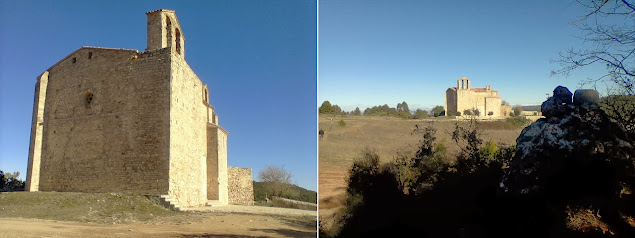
x=573 y=133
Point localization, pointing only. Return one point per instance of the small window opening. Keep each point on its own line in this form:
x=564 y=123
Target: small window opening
x=74 y=60
x=168 y=29
x=88 y=98
x=205 y=98
x=178 y=41
x=90 y=55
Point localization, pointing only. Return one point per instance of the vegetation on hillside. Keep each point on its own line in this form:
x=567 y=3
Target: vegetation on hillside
x=420 y=194
x=402 y=110
x=294 y=192
x=276 y=181
x=621 y=109
x=86 y=207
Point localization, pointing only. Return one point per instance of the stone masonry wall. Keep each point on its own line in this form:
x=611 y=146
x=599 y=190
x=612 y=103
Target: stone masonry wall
x=240 y=185
x=118 y=140
x=37 y=126
x=485 y=101
x=188 y=135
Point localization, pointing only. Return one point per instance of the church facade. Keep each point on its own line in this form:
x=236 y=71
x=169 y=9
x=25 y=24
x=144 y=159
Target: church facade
x=464 y=97
x=120 y=120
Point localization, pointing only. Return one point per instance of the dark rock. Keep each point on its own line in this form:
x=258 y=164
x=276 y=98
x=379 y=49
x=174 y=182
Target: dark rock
x=586 y=96
x=573 y=138
x=562 y=95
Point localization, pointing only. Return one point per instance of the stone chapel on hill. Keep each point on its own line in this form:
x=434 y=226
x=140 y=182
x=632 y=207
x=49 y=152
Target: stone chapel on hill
x=464 y=97
x=120 y=120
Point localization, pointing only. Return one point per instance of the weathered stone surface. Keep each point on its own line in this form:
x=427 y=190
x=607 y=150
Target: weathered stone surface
x=241 y=186
x=578 y=132
x=586 y=96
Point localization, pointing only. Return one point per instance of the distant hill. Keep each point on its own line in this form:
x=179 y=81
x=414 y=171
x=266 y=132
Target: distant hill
x=532 y=108
x=295 y=193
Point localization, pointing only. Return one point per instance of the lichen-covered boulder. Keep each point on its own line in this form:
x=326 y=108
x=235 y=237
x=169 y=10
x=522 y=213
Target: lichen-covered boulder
x=575 y=139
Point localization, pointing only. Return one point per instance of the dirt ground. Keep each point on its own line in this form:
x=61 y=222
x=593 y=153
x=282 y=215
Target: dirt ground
x=388 y=136
x=226 y=221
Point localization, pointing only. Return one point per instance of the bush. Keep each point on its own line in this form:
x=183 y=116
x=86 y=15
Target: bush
x=422 y=194
x=9 y=182
x=341 y=123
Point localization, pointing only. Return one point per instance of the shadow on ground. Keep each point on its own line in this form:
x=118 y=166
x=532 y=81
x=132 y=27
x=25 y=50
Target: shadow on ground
x=209 y=235
x=288 y=232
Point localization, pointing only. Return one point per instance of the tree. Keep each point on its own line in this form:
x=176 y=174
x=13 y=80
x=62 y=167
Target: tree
x=10 y=182
x=476 y=112
x=357 y=112
x=608 y=29
x=336 y=109
x=403 y=107
x=420 y=114
x=278 y=180
x=438 y=111
x=518 y=109
x=327 y=108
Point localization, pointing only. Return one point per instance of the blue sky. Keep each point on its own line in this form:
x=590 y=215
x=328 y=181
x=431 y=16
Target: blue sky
x=385 y=52
x=257 y=57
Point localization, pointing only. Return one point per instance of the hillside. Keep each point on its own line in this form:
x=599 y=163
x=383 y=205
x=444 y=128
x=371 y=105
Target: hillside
x=295 y=193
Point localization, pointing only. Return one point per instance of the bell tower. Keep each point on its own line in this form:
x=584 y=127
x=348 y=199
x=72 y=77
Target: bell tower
x=164 y=31
x=463 y=83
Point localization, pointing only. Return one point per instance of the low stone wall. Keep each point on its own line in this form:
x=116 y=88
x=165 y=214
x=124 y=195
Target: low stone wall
x=240 y=185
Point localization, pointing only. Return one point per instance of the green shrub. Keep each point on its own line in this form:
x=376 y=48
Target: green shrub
x=341 y=123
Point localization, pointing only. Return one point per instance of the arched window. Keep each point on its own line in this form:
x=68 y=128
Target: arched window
x=168 y=29
x=178 y=41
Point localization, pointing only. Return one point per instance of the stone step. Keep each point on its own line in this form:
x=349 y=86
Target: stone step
x=170 y=202
x=213 y=203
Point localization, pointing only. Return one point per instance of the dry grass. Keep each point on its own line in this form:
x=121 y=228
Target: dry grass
x=112 y=208
x=586 y=220
x=388 y=136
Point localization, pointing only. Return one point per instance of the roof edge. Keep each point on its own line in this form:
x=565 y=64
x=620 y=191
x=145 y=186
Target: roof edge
x=89 y=47
x=159 y=10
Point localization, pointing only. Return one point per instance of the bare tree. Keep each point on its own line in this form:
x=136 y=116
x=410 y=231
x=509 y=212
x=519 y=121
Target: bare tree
x=609 y=31
x=278 y=180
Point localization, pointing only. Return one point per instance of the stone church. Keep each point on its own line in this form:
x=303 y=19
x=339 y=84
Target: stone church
x=120 y=120
x=464 y=97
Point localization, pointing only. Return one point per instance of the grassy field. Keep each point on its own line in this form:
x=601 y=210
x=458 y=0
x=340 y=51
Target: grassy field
x=388 y=136
x=87 y=207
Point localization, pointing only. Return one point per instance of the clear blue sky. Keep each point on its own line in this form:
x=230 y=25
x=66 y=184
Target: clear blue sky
x=258 y=57
x=385 y=52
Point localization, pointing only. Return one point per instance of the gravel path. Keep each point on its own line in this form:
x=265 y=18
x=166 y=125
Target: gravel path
x=258 y=210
